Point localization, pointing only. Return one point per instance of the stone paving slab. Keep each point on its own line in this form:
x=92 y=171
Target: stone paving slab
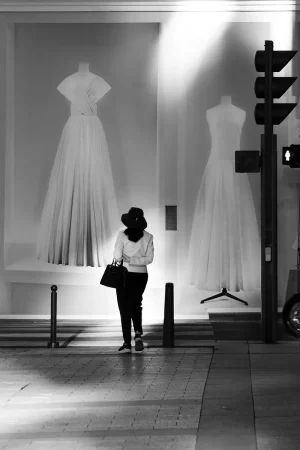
x=227 y=442
x=267 y=390
x=228 y=402
x=229 y=347
x=279 y=348
x=278 y=443
x=277 y=405
x=227 y=424
x=226 y=406
x=278 y=362
x=278 y=426
x=224 y=361
x=226 y=391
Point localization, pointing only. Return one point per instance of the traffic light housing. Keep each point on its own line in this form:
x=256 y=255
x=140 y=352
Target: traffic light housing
x=291 y=156
x=268 y=113
x=269 y=87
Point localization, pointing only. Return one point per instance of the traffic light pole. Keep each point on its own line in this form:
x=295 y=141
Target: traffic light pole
x=269 y=114
x=269 y=211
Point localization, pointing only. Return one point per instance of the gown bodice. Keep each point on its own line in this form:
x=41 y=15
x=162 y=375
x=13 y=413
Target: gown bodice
x=83 y=92
x=75 y=111
x=225 y=125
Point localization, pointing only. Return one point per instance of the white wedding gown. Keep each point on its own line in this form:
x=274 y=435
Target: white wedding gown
x=80 y=216
x=224 y=249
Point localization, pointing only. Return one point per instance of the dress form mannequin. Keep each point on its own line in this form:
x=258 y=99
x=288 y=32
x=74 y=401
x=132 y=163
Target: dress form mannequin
x=225 y=111
x=220 y=256
x=83 y=67
x=226 y=100
x=82 y=77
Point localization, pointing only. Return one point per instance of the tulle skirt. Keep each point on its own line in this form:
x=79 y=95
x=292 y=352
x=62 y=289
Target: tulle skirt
x=80 y=216
x=224 y=250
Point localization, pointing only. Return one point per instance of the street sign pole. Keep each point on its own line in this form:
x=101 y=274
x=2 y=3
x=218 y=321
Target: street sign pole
x=271 y=337
x=269 y=210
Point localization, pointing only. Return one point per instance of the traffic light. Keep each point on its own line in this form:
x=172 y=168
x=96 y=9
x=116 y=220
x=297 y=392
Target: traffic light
x=269 y=87
x=291 y=156
x=268 y=113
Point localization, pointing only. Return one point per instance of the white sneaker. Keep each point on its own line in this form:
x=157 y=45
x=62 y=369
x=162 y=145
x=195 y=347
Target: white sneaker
x=125 y=348
x=139 y=345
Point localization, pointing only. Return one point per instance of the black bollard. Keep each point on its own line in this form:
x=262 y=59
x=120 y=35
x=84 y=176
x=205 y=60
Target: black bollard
x=168 y=331
x=53 y=342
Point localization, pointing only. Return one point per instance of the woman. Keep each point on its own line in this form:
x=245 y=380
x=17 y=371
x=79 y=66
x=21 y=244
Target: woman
x=135 y=246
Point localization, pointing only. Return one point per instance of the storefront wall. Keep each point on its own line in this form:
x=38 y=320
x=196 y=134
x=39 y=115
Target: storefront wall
x=155 y=122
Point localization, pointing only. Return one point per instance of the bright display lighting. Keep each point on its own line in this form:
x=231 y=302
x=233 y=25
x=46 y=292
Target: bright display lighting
x=189 y=42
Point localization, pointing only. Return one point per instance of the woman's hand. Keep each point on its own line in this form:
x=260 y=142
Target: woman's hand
x=125 y=258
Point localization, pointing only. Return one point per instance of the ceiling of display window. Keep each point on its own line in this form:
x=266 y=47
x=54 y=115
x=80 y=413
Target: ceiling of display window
x=147 y=5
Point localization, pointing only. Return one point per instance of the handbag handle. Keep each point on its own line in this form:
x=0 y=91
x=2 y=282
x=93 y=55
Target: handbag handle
x=117 y=263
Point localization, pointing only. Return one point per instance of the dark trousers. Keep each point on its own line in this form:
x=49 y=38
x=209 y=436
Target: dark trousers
x=130 y=303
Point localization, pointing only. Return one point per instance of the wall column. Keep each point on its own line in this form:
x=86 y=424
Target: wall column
x=6 y=32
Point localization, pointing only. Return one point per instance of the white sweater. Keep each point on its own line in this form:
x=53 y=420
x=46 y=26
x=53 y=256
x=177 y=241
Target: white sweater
x=140 y=253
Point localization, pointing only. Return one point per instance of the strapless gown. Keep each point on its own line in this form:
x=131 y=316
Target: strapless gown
x=224 y=249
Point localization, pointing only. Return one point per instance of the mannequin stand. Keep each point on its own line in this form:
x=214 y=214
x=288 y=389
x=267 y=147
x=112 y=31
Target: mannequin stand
x=224 y=293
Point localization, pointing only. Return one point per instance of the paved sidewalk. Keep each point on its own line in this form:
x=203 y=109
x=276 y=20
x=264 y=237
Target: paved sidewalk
x=85 y=399
x=233 y=395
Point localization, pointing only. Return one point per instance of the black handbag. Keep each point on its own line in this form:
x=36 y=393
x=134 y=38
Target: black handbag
x=114 y=275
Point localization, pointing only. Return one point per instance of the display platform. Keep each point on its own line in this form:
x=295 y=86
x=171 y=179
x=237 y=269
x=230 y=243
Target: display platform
x=30 y=271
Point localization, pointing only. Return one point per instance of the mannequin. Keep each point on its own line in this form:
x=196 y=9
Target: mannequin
x=226 y=100
x=224 y=251
x=83 y=67
x=220 y=119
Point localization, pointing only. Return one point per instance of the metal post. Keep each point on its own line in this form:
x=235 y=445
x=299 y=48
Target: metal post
x=269 y=211
x=168 y=330
x=53 y=342
x=274 y=243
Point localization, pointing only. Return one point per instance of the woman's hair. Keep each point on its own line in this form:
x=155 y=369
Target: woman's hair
x=134 y=234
